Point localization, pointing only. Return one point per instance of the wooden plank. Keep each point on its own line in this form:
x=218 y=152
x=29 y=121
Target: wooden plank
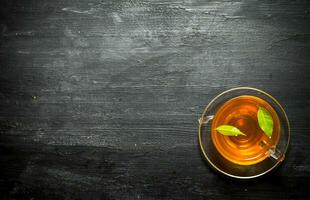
x=100 y=99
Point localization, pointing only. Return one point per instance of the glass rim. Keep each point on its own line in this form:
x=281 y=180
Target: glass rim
x=201 y=124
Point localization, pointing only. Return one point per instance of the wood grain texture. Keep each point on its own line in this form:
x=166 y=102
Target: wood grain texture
x=100 y=99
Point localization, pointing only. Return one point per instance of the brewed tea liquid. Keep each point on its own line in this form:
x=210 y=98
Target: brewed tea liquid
x=241 y=112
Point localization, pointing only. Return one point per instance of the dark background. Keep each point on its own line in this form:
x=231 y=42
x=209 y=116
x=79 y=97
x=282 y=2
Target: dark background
x=100 y=99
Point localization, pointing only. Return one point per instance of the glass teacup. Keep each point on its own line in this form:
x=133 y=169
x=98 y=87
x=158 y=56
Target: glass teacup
x=236 y=137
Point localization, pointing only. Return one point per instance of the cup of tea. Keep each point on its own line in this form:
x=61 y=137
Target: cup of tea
x=244 y=133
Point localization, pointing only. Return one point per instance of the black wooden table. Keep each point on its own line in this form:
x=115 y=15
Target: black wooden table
x=100 y=99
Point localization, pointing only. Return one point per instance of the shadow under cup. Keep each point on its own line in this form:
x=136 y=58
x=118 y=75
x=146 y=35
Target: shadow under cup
x=226 y=167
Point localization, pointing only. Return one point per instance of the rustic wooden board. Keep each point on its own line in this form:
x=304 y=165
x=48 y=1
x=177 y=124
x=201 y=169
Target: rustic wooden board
x=100 y=99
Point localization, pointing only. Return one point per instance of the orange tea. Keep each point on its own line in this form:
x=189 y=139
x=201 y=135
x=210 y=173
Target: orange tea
x=241 y=112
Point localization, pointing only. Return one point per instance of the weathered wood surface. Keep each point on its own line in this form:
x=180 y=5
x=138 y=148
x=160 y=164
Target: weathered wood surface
x=100 y=99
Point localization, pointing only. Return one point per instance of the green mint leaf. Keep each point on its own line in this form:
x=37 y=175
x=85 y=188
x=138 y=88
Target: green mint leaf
x=229 y=130
x=265 y=121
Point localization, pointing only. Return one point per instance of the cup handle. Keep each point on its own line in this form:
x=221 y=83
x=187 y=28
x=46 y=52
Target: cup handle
x=205 y=120
x=276 y=154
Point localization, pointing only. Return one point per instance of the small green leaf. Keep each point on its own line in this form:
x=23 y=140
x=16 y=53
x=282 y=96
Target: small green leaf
x=265 y=121
x=229 y=130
